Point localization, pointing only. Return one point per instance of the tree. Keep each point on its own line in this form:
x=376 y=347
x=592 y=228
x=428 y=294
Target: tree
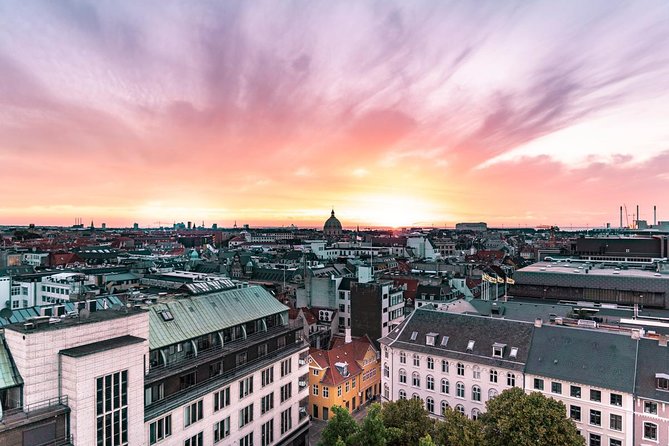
x=515 y=418
x=426 y=441
x=372 y=432
x=458 y=430
x=341 y=427
x=408 y=420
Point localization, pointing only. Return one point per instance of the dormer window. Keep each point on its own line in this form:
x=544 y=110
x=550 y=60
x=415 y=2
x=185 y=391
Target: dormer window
x=662 y=381
x=470 y=346
x=414 y=335
x=514 y=352
x=431 y=338
x=167 y=315
x=342 y=368
x=498 y=350
x=444 y=341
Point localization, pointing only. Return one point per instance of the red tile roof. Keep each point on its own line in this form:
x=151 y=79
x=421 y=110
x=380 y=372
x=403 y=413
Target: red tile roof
x=352 y=354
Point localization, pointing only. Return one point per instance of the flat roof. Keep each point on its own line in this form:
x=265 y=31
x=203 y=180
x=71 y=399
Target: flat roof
x=69 y=322
x=101 y=346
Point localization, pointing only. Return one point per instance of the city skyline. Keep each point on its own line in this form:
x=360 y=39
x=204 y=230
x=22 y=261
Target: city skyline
x=394 y=114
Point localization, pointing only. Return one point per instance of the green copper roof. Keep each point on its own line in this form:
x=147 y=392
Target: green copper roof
x=199 y=315
x=9 y=375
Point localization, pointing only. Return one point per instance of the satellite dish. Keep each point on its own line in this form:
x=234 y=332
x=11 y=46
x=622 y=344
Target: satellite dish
x=6 y=313
x=84 y=313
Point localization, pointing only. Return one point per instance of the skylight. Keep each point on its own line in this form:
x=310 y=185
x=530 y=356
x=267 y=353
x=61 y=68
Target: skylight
x=167 y=315
x=444 y=341
x=470 y=345
x=414 y=335
x=514 y=352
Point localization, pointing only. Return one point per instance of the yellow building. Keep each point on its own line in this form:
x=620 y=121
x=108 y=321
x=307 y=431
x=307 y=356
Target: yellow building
x=348 y=375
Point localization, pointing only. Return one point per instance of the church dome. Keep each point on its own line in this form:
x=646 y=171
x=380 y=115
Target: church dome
x=332 y=226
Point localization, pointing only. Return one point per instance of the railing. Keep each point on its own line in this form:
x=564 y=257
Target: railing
x=58 y=401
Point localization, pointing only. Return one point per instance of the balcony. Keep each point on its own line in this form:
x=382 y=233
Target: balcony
x=303 y=382
x=303 y=410
x=19 y=418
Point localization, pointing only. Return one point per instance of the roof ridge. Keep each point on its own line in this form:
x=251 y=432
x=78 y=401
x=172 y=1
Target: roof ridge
x=406 y=322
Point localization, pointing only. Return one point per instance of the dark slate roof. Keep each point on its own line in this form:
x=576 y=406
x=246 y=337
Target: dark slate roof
x=101 y=346
x=595 y=358
x=652 y=359
x=273 y=274
x=345 y=284
x=461 y=329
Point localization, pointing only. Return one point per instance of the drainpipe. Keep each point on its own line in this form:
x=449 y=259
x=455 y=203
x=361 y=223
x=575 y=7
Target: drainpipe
x=60 y=376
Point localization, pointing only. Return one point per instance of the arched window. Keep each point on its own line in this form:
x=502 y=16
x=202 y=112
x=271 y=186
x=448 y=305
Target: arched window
x=430 y=382
x=492 y=393
x=493 y=376
x=445 y=387
x=415 y=396
x=510 y=380
x=416 y=360
x=415 y=379
x=444 y=407
x=476 y=372
x=386 y=370
x=403 y=394
x=460 y=408
x=476 y=393
x=430 y=363
x=475 y=414
x=386 y=391
x=460 y=390
x=403 y=358
x=429 y=404
x=403 y=376
x=444 y=366
x=461 y=369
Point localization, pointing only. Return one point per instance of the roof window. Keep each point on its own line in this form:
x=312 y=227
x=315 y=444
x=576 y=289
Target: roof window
x=470 y=346
x=444 y=341
x=498 y=350
x=167 y=315
x=414 y=335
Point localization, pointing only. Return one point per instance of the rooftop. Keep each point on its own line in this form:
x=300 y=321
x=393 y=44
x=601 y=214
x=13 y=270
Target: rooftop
x=101 y=346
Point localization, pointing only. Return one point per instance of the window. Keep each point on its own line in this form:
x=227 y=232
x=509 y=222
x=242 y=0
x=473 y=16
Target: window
x=246 y=415
x=538 y=384
x=510 y=380
x=460 y=390
x=245 y=387
x=595 y=440
x=493 y=376
x=326 y=391
x=112 y=409
x=414 y=335
x=460 y=408
x=595 y=395
x=187 y=380
x=348 y=386
x=267 y=376
x=430 y=382
x=266 y=403
x=415 y=379
x=267 y=433
x=403 y=358
x=160 y=429
x=616 y=399
x=215 y=368
x=575 y=391
x=614 y=442
x=461 y=369
x=476 y=393
x=595 y=417
x=192 y=413
x=470 y=346
x=314 y=372
x=445 y=388
x=514 y=352
x=221 y=399
x=616 y=422
x=286 y=421
x=246 y=440
x=662 y=383
x=575 y=413
x=386 y=370
x=262 y=350
x=403 y=376
x=314 y=390
x=429 y=404
x=221 y=429
x=649 y=431
x=154 y=393
x=444 y=408
x=444 y=366
x=498 y=350
x=492 y=393
x=403 y=394
x=241 y=358
x=286 y=366
x=430 y=363
x=287 y=391
x=476 y=372
x=416 y=360
x=338 y=390
x=475 y=414
x=556 y=387
x=650 y=407
x=195 y=440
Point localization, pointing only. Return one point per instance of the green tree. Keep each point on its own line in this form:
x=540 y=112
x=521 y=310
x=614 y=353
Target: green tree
x=341 y=427
x=408 y=420
x=458 y=430
x=372 y=432
x=515 y=418
x=340 y=442
x=426 y=441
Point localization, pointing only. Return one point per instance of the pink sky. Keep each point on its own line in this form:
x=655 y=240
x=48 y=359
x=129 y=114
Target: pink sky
x=395 y=113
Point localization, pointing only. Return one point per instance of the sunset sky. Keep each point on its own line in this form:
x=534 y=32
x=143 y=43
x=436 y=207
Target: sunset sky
x=394 y=112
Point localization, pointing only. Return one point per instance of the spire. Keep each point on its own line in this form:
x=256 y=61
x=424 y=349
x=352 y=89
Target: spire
x=332 y=213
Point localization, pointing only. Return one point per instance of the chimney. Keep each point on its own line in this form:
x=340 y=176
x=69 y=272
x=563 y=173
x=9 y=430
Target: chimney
x=347 y=336
x=662 y=340
x=538 y=322
x=637 y=216
x=621 y=217
x=654 y=215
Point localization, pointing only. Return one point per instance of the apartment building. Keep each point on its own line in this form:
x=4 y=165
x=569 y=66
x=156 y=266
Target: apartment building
x=376 y=308
x=651 y=405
